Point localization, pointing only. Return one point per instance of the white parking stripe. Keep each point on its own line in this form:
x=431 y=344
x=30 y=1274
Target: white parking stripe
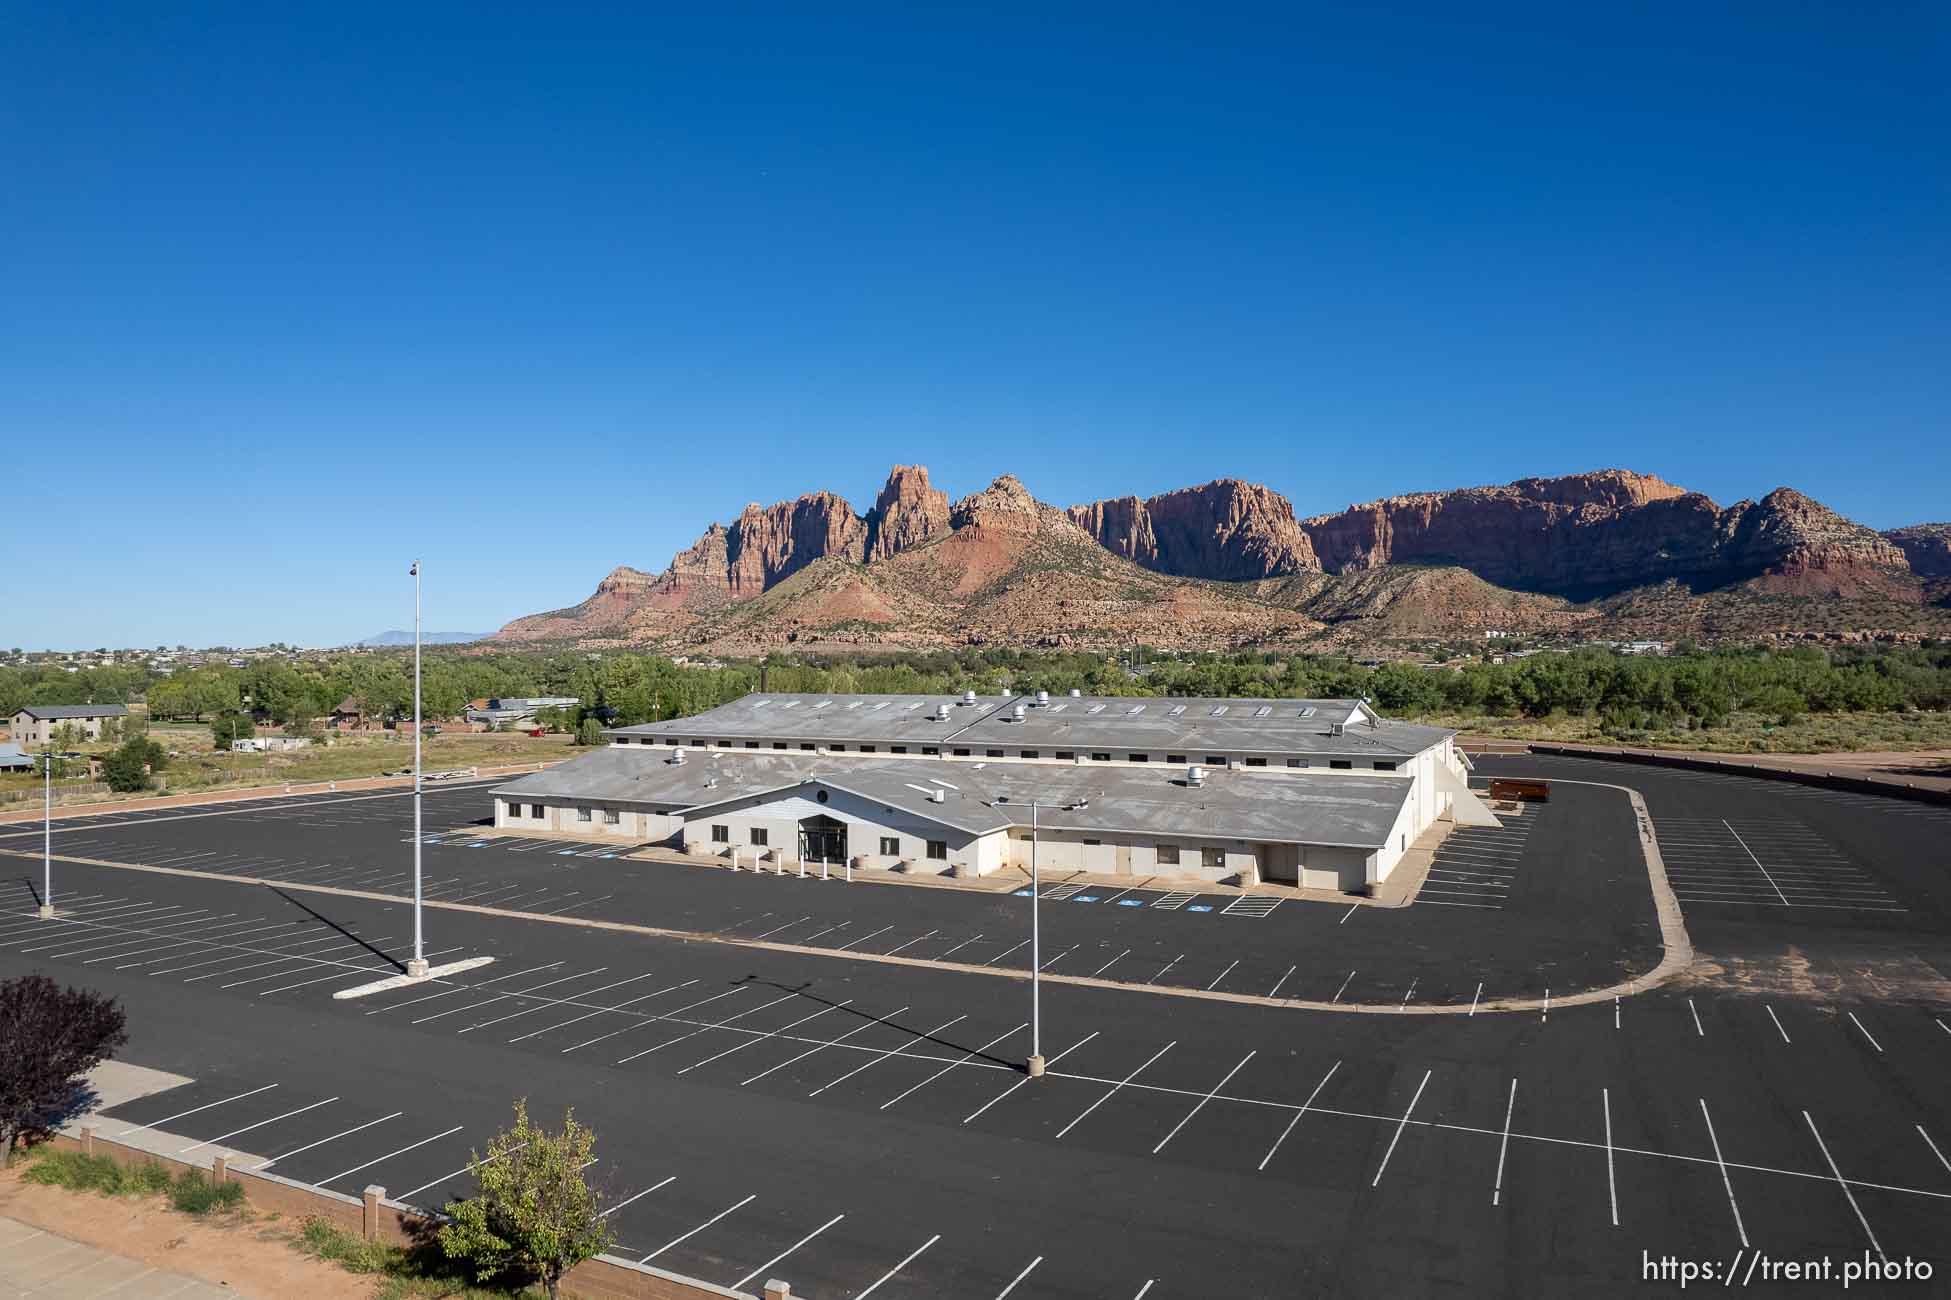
x=893 y=1051
x=266 y=1164
x=860 y=1028
x=795 y=1246
x=210 y=1142
x=195 y=1110
x=1845 y=1186
x=1115 y=1087
x=1726 y=1182
x=739 y=1047
x=898 y=1267
x=629 y=1200
x=951 y=1065
x=1390 y=1153
x=1025 y=1079
x=1201 y=1104
x=702 y=1029
x=700 y=1228
x=388 y=1156
x=1504 y=1145
x=576 y=1020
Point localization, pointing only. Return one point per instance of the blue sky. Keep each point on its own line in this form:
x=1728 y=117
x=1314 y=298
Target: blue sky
x=289 y=293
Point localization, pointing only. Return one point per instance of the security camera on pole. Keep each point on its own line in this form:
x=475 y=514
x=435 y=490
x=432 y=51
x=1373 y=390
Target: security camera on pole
x=417 y=967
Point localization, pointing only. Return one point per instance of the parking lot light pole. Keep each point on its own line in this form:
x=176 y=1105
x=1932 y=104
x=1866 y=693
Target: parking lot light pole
x=417 y=968
x=1034 y=1066
x=47 y=834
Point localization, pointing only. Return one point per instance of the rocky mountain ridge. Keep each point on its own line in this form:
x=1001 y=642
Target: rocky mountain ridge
x=1230 y=562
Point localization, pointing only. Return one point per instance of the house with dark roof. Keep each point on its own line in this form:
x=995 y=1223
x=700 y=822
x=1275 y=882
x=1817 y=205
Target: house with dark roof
x=35 y=725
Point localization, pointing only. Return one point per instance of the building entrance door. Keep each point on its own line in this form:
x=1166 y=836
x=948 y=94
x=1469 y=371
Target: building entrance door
x=822 y=839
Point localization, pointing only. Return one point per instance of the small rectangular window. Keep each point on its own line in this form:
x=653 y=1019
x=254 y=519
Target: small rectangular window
x=961 y=753
x=866 y=749
x=1093 y=841
x=1297 y=762
x=890 y=846
x=1385 y=765
x=611 y=817
x=1340 y=764
x=1256 y=762
x=1216 y=760
x=721 y=835
x=1175 y=758
x=1214 y=857
x=758 y=837
x=806 y=744
x=897 y=749
x=838 y=749
x=702 y=744
x=1028 y=753
x=993 y=753
x=582 y=814
x=931 y=750
x=938 y=849
x=1168 y=855
x=535 y=810
x=1067 y=755
x=751 y=744
x=778 y=744
x=1139 y=758
x=1100 y=758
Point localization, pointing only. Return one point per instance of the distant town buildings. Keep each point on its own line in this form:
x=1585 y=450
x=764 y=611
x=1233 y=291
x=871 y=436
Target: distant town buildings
x=36 y=724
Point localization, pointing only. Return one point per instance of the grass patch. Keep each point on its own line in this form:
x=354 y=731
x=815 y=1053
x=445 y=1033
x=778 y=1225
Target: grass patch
x=1744 y=732
x=407 y=1273
x=189 y=1191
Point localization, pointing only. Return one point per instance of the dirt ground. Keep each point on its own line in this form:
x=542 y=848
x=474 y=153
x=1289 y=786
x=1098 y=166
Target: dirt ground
x=249 y=1256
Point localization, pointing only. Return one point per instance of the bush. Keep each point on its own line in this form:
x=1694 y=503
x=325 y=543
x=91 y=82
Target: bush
x=230 y=727
x=194 y=1193
x=590 y=732
x=535 y=1216
x=49 y=1037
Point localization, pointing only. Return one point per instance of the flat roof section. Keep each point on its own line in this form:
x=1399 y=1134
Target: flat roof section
x=1282 y=807
x=1154 y=725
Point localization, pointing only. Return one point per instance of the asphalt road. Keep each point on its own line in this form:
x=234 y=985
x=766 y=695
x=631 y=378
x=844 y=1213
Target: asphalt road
x=863 y=1128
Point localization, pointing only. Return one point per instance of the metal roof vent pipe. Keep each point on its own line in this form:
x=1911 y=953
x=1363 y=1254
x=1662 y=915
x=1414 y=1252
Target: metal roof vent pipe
x=1020 y=712
x=938 y=795
x=677 y=755
x=941 y=713
x=968 y=697
x=1042 y=698
x=1195 y=776
x=1076 y=694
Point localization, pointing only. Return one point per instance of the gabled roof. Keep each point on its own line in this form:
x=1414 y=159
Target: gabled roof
x=55 y=712
x=1275 y=806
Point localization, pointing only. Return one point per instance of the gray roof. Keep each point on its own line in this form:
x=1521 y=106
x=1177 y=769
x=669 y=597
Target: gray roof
x=1271 y=806
x=55 y=712
x=11 y=755
x=1152 y=725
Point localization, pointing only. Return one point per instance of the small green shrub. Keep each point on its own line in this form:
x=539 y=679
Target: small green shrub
x=145 y=1179
x=193 y=1193
x=73 y=1170
x=349 y=1251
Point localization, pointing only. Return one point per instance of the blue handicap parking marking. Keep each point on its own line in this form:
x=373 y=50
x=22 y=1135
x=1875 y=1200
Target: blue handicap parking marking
x=1023 y=893
x=479 y=844
x=1131 y=902
x=1085 y=898
x=606 y=855
x=1200 y=907
x=565 y=853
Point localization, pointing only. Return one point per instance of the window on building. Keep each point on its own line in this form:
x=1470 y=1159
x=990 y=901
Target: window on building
x=1297 y=762
x=611 y=817
x=1216 y=760
x=1215 y=858
x=1256 y=762
x=1139 y=758
x=1385 y=765
x=961 y=753
x=751 y=744
x=702 y=744
x=932 y=750
x=1175 y=758
x=1093 y=841
x=1100 y=758
x=1067 y=755
x=897 y=749
x=838 y=749
x=721 y=835
x=1340 y=764
x=993 y=753
x=938 y=849
x=778 y=744
x=1028 y=753
x=758 y=837
x=891 y=846
x=535 y=810
x=866 y=749
x=1168 y=855
x=806 y=744
x=582 y=814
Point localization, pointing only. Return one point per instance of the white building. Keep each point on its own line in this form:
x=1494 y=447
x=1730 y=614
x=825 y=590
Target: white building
x=1319 y=793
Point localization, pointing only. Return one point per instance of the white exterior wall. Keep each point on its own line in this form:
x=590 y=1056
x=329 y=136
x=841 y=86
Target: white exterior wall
x=866 y=823
x=1401 y=836
x=559 y=818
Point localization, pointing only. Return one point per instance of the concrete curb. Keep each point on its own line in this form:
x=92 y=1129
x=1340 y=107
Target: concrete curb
x=1678 y=951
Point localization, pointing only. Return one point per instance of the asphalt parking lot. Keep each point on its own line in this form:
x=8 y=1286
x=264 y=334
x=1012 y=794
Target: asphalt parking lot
x=1510 y=913
x=864 y=1128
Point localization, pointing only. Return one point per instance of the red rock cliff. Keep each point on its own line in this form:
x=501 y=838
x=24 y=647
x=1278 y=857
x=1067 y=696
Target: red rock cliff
x=1224 y=529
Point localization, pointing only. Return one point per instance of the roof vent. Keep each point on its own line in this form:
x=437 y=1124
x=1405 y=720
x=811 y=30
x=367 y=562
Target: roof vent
x=677 y=755
x=1042 y=699
x=1195 y=776
x=938 y=795
x=1076 y=694
x=1020 y=712
x=941 y=713
x=968 y=697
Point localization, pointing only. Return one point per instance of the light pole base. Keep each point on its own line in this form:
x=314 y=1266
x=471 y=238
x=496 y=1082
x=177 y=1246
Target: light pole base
x=416 y=970
x=47 y=911
x=1035 y=1066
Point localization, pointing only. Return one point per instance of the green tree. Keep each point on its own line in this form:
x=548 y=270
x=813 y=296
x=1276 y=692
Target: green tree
x=127 y=769
x=590 y=732
x=535 y=1216
x=231 y=727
